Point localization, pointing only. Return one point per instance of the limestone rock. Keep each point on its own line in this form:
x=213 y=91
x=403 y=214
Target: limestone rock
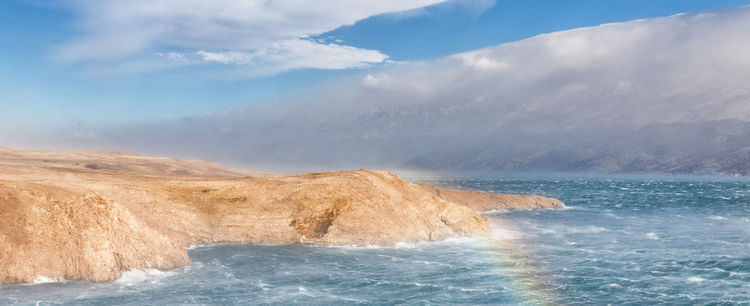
x=60 y=218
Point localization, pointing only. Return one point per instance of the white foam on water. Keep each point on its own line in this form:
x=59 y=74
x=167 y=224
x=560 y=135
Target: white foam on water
x=405 y=245
x=587 y=230
x=453 y=240
x=652 y=236
x=197 y=246
x=304 y=292
x=717 y=218
x=505 y=234
x=613 y=215
x=695 y=279
x=465 y=289
x=210 y=245
x=509 y=211
x=41 y=279
x=351 y=246
x=496 y=212
x=135 y=276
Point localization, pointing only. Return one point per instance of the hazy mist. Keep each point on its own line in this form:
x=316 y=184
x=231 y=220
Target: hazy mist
x=667 y=95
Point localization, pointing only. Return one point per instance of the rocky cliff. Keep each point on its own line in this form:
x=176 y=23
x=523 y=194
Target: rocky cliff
x=61 y=217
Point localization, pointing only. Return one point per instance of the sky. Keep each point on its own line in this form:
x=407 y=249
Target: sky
x=97 y=74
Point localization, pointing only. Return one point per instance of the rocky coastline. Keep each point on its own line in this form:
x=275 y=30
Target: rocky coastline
x=93 y=215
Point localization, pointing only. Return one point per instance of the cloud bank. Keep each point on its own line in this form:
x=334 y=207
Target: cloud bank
x=667 y=94
x=261 y=36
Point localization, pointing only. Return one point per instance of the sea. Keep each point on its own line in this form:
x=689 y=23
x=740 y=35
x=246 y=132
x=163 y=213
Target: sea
x=619 y=240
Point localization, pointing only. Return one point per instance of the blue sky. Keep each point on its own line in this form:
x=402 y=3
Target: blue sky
x=62 y=64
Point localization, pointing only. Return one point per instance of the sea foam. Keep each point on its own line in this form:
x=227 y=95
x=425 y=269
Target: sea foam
x=41 y=279
x=135 y=276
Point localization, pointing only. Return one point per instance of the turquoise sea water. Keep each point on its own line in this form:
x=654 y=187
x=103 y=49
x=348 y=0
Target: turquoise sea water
x=619 y=241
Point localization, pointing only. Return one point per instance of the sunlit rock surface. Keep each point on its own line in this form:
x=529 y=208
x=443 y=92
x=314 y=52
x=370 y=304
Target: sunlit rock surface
x=94 y=215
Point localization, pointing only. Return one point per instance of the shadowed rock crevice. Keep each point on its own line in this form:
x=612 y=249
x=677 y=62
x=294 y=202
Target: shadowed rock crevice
x=316 y=226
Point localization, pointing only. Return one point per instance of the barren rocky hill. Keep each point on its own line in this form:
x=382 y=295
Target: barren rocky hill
x=118 y=163
x=93 y=215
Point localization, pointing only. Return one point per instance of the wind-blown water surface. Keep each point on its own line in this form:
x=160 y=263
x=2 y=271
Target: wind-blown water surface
x=619 y=241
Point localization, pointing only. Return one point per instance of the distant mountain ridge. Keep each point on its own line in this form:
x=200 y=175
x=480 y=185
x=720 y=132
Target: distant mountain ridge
x=713 y=147
x=668 y=94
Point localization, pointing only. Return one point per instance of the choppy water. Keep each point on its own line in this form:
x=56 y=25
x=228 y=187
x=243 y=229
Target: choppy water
x=619 y=241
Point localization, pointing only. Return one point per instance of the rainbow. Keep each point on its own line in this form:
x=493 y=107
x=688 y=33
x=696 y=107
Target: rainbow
x=515 y=265
x=525 y=280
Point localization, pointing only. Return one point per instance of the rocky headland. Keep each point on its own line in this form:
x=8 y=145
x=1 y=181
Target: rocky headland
x=86 y=215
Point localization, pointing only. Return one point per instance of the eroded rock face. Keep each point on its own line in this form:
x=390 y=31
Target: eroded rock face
x=70 y=232
x=52 y=232
x=62 y=220
x=346 y=207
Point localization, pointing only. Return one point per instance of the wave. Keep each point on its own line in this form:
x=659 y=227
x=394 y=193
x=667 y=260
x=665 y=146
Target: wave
x=135 y=276
x=508 y=211
x=41 y=279
x=695 y=279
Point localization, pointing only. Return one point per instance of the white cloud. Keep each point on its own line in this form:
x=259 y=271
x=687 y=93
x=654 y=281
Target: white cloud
x=174 y=56
x=482 y=63
x=235 y=31
x=469 y=8
x=370 y=81
x=568 y=99
x=293 y=54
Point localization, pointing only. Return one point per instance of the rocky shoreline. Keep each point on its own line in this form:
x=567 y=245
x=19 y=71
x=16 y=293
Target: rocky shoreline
x=94 y=215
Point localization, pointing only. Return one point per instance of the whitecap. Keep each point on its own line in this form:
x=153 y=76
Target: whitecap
x=496 y=211
x=611 y=214
x=352 y=246
x=405 y=245
x=41 y=279
x=135 y=276
x=652 y=236
x=587 y=230
x=455 y=240
x=197 y=246
x=717 y=218
x=504 y=234
x=468 y=289
x=695 y=279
